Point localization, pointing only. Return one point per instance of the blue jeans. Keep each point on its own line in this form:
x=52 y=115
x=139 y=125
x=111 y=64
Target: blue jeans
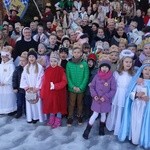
x=20 y=102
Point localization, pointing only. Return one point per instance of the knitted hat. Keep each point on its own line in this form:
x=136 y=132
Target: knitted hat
x=106 y=63
x=65 y=37
x=92 y=56
x=63 y=49
x=55 y=55
x=32 y=52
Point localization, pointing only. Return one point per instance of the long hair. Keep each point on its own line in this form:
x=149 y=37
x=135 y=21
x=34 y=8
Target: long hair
x=36 y=67
x=121 y=67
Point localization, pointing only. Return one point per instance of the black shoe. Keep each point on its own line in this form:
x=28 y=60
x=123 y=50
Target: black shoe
x=29 y=121
x=87 y=131
x=69 y=122
x=101 y=129
x=12 y=113
x=18 y=115
x=35 y=121
x=80 y=120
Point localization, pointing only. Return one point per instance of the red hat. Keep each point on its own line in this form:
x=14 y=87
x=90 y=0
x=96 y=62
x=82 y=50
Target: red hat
x=92 y=56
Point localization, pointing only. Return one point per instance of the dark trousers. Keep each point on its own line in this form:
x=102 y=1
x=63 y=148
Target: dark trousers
x=73 y=97
x=20 y=102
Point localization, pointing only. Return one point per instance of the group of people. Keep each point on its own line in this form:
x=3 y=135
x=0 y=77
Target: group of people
x=80 y=64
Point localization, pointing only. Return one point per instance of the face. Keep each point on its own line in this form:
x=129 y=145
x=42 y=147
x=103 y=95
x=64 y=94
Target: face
x=86 y=50
x=73 y=37
x=53 y=63
x=94 y=27
x=47 y=9
x=48 y=25
x=132 y=26
x=40 y=30
x=14 y=13
x=23 y=61
x=52 y=40
x=5 y=33
x=138 y=13
x=121 y=46
x=146 y=72
x=66 y=43
x=77 y=53
x=27 y=34
x=41 y=50
x=63 y=55
x=146 y=50
x=90 y=63
x=60 y=33
x=100 y=33
x=133 y=49
x=31 y=59
x=5 y=59
x=84 y=22
x=10 y=27
x=33 y=26
x=127 y=63
x=114 y=56
x=104 y=69
x=111 y=26
x=120 y=32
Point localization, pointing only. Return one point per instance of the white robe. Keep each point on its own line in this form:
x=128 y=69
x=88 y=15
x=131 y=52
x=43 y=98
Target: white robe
x=7 y=96
x=114 y=117
x=33 y=111
x=137 y=111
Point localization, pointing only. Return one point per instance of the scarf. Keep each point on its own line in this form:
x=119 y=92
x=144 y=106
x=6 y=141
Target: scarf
x=105 y=75
x=76 y=60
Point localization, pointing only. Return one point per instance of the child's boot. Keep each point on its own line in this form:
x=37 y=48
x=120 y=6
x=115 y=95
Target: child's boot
x=51 y=120
x=57 y=122
x=101 y=128
x=87 y=131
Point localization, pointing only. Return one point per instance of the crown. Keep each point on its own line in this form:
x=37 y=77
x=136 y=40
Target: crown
x=146 y=61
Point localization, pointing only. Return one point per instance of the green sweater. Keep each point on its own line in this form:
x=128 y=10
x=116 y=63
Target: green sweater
x=77 y=75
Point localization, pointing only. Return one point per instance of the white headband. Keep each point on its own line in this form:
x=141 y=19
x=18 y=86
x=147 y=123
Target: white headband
x=126 y=53
x=7 y=54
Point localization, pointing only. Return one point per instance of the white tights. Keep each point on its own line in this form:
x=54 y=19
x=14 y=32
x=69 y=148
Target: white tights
x=95 y=115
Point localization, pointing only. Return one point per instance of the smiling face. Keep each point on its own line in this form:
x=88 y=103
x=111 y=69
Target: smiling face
x=146 y=50
x=127 y=63
x=53 y=62
x=146 y=72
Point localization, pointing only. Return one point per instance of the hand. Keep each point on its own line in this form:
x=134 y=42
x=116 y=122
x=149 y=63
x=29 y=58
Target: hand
x=140 y=94
x=140 y=81
x=96 y=98
x=75 y=89
x=15 y=91
x=52 y=86
x=102 y=99
x=145 y=98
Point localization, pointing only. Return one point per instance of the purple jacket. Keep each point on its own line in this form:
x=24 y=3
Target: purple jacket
x=105 y=89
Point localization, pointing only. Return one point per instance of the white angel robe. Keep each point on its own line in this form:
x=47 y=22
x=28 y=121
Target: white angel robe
x=33 y=111
x=7 y=96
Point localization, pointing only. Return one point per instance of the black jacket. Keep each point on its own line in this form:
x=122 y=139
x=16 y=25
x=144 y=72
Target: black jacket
x=16 y=79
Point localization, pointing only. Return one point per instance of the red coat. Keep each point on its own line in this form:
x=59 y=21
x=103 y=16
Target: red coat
x=54 y=101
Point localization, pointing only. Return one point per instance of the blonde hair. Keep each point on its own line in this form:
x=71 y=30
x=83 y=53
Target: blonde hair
x=36 y=67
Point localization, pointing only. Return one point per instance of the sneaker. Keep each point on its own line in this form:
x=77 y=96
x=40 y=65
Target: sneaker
x=69 y=122
x=80 y=120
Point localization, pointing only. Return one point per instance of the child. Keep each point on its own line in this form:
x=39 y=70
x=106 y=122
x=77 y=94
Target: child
x=122 y=44
x=53 y=91
x=63 y=53
x=92 y=63
x=7 y=96
x=136 y=122
x=77 y=74
x=31 y=82
x=43 y=59
x=114 y=57
x=16 y=84
x=102 y=88
x=86 y=50
x=123 y=77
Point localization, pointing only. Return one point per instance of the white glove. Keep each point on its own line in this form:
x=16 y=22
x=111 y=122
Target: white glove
x=52 y=86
